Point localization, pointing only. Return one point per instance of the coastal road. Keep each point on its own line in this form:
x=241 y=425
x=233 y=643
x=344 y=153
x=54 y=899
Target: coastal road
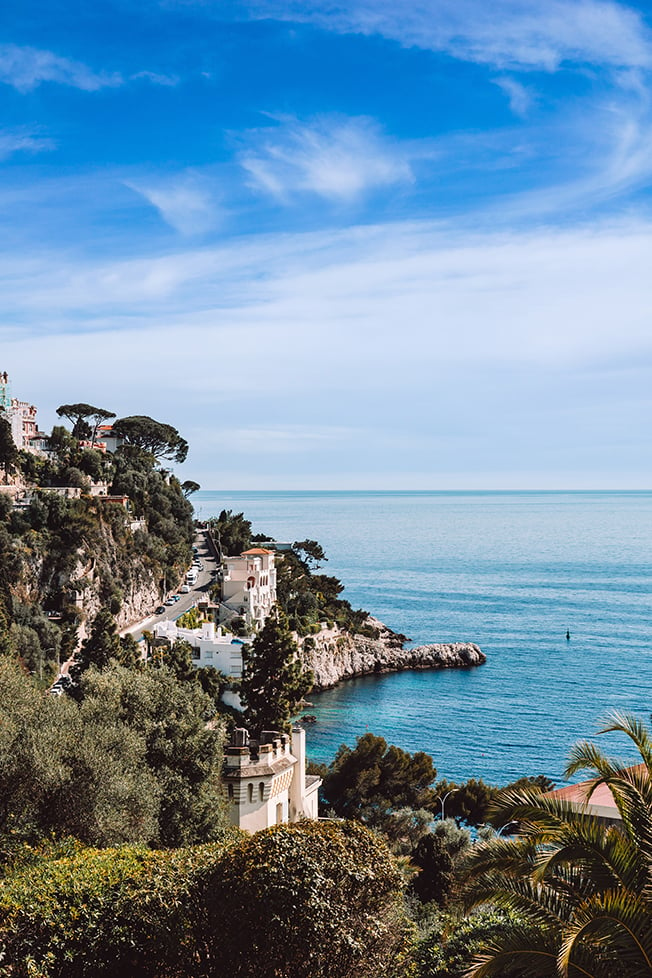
x=197 y=593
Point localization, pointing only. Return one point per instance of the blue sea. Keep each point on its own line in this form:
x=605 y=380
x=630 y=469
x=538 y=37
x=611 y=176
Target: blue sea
x=511 y=571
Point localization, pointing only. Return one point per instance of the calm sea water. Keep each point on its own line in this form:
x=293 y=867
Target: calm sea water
x=511 y=571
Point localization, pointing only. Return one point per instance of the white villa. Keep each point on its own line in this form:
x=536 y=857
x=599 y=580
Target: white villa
x=209 y=646
x=267 y=782
x=249 y=584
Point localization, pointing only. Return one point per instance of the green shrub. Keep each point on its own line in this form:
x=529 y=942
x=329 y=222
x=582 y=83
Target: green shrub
x=311 y=900
x=447 y=951
x=190 y=619
x=130 y=911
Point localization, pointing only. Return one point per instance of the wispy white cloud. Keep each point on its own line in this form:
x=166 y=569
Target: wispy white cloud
x=185 y=202
x=520 y=97
x=607 y=155
x=23 y=141
x=415 y=291
x=26 y=68
x=332 y=156
x=156 y=78
x=444 y=348
x=504 y=33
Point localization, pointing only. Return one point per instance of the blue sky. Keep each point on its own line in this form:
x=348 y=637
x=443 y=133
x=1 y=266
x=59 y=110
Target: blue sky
x=338 y=245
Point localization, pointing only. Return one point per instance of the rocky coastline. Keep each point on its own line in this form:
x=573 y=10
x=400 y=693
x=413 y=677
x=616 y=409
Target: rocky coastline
x=334 y=656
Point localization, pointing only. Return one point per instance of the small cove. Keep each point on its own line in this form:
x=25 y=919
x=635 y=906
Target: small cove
x=510 y=571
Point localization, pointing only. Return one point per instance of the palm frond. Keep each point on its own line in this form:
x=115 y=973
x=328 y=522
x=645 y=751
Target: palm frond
x=635 y=729
x=585 y=756
x=526 y=948
x=543 y=905
x=583 y=886
x=606 y=855
x=617 y=923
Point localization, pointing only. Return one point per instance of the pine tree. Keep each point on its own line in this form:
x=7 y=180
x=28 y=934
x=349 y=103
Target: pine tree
x=274 y=681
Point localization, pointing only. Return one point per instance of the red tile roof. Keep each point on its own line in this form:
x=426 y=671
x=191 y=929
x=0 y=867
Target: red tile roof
x=581 y=793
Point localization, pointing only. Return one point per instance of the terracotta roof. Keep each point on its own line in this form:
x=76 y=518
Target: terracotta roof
x=255 y=551
x=581 y=794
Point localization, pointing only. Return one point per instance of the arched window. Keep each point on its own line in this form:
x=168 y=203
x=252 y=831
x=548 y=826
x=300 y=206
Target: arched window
x=261 y=790
x=251 y=792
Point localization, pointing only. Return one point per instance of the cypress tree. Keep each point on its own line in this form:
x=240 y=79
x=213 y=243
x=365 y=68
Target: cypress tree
x=274 y=681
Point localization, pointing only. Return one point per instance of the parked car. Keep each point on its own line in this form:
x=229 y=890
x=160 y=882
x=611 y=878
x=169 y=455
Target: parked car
x=160 y=610
x=185 y=589
x=170 y=602
x=176 y=597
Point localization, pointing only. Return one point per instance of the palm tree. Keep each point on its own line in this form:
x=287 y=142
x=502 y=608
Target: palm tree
x=580 y=886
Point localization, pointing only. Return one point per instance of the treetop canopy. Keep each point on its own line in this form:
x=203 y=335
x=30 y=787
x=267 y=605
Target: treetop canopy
x=159 y=439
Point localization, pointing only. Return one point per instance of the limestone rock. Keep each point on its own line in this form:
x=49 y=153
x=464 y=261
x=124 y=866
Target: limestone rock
x=333 y=655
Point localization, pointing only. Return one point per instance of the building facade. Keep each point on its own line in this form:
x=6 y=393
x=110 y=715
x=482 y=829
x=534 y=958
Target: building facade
x=266 y=782
x=21 y=416
x=105 y=438
x=23 y=423
x=249 y=585
x=209 y=646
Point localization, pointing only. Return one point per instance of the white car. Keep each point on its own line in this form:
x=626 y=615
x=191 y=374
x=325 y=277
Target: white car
x=185 y=589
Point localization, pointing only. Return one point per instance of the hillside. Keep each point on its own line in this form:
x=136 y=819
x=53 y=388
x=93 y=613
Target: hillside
x=66 y=553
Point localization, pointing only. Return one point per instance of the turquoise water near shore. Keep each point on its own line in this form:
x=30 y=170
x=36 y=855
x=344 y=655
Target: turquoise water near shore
x=510 y=571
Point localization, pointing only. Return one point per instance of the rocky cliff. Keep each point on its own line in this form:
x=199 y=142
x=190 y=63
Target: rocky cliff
x=106 y=572
x=333 y=656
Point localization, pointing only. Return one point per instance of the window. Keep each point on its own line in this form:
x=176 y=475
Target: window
x=261 y=790
x=251 y=792
x=230 y=792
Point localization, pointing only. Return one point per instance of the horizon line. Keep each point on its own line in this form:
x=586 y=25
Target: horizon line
x=425 y=491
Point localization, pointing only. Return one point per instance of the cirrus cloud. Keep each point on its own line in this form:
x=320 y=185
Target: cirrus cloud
x=506 y=33
x=25 y=68
x=334 y=157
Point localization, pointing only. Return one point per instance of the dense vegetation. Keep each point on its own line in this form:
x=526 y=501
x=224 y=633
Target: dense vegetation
x=58 y=553
x=311 y=900
x=565 y=896
x=134 y=761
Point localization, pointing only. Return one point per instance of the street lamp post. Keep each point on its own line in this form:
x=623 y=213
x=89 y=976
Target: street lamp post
x=443 y=801
x=505 y=826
